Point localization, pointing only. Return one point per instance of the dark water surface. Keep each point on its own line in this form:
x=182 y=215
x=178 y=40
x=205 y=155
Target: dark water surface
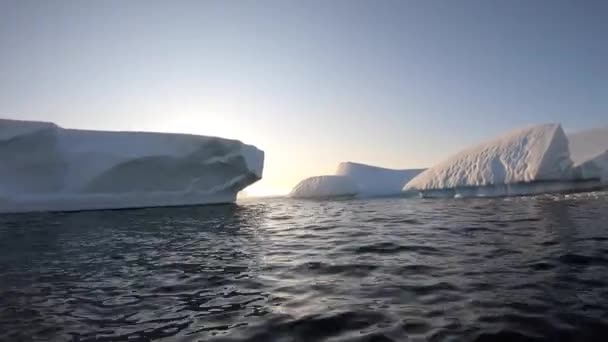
x=533 y=268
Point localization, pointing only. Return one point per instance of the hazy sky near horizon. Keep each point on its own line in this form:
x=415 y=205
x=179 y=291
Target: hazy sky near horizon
x=313 y=83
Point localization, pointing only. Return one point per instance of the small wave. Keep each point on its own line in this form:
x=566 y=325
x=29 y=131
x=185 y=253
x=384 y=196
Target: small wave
x=580 y=260
x=393 y=248
x=321 y=268
x=508 y=336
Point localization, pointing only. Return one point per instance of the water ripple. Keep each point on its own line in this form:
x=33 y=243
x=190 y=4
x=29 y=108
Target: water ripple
x=514 y=269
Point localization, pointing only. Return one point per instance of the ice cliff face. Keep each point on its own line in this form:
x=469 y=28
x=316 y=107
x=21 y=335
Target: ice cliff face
x=531 y=154
x=376 y=181
x=46 y=167
x=325 y=186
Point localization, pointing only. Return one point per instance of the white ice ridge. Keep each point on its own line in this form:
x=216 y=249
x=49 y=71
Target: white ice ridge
x=589 y=151
x=531 y=154
x=44 y=167
x=325 y=186
x=376 y=181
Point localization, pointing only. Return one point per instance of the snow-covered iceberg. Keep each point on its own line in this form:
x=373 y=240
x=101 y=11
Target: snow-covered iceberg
x=376 y=181
x=325 y=186
x=536 y=154
x=589 y=152
x=44 y=167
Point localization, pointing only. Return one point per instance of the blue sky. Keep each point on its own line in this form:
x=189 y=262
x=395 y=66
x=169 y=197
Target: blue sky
x=313 y=83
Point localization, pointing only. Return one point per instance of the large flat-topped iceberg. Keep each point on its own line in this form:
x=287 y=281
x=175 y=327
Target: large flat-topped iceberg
x=325 y=186
x=376 y=181
x=589 y=152
x=532 y=154
x=44 y=167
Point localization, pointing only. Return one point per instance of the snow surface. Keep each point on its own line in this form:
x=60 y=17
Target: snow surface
x=325 y=186
x=376 y=181
x=589 y=151
x=531 y=154
x=45 y=168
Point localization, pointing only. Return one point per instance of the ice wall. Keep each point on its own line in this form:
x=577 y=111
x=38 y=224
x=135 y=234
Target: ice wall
x=46 y=167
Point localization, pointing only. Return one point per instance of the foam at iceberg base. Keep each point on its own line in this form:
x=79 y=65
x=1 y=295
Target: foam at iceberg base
x=325 y=186
x=525 y=161
x=47 y=168
x=376 y=181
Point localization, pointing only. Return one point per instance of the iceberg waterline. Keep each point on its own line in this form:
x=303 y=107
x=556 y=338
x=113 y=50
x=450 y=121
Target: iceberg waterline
x=48 y=168
x=514 y=189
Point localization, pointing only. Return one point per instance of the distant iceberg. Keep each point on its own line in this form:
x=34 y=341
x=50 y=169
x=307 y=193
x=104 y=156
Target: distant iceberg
x=376 y=181
x=355 y=179
x=594 y=168
x=506 y=165
x=325 y=186
x=589 y=152
x=44 y=167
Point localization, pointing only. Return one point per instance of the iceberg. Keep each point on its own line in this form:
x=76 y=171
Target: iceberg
x=376 y=181
x=325 y=186
x=502 y=166
x=587 y=144
x=594 y=168
x=48 y=168
x=589 y=152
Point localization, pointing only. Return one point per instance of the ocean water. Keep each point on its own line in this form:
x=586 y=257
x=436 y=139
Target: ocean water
x=502 y=269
